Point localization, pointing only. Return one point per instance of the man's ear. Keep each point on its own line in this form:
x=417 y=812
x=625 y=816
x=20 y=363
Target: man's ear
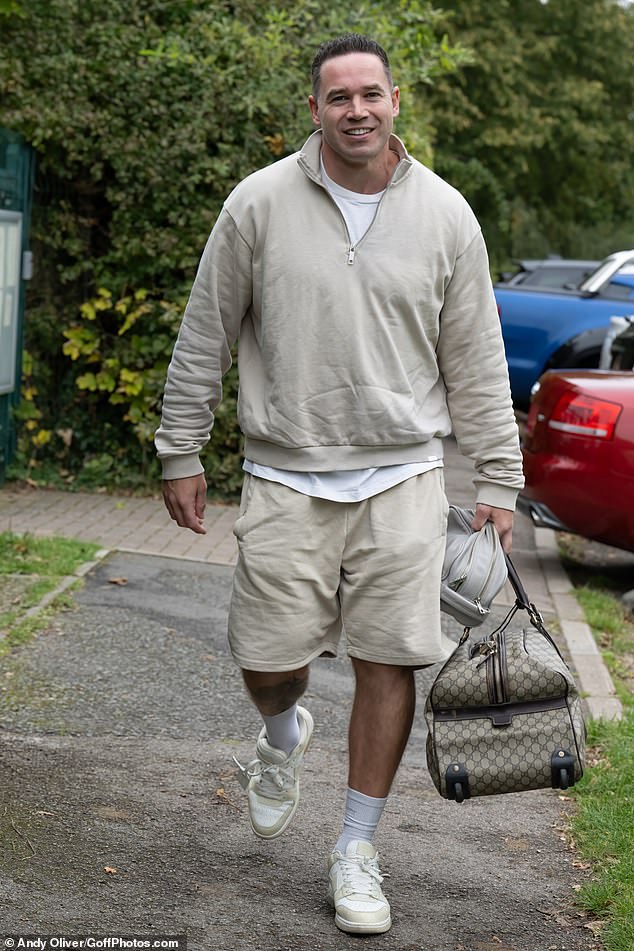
x=314 y=110
x=396 y=101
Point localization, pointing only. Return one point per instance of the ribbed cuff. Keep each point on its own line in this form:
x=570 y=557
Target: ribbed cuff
x=181 y=467
x=498 y=496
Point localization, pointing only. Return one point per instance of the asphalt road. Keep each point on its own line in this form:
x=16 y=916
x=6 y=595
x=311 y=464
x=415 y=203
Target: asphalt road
x=120 y=812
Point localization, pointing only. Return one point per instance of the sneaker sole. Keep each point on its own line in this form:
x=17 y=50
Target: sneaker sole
x=356 y=927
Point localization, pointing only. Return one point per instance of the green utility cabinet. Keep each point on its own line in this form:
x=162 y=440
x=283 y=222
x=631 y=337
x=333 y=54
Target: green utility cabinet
x=16 y=189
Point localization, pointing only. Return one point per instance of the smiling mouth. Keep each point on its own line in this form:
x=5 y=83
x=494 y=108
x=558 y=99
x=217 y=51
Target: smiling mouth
x=357 y=131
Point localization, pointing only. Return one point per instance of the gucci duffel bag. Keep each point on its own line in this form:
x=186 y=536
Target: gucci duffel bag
x=504 y=713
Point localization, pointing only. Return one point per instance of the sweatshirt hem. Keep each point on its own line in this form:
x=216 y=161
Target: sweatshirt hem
x=336 y=458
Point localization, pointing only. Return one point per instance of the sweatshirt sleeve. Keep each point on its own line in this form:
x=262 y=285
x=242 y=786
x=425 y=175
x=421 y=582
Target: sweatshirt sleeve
x=473 y=364
x=220 y=297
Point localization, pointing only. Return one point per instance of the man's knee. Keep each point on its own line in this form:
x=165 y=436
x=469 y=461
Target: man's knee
x=366 y=670
x=273 y=693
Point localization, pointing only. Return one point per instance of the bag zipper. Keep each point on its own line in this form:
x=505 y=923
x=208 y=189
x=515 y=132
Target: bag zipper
x=497 y=671
x=501 y=669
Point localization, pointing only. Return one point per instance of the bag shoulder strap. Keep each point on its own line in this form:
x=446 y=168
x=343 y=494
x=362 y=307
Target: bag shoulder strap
x=522 y=602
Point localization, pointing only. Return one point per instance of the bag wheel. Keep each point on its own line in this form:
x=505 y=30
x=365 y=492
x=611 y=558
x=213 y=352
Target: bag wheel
x=457 y=780
x=562 y=768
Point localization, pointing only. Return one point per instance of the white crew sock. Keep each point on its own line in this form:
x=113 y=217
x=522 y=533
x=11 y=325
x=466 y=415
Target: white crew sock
x=282 y=730
x=361 y=817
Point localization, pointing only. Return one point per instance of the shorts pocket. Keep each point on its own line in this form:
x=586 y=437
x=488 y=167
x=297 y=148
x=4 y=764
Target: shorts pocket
x=248 y=488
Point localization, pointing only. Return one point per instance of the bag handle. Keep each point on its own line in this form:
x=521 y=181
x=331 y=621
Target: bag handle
x=523 y=603
x=518 y=587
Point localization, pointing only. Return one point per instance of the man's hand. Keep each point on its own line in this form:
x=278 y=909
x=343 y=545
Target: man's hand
x=501 y=518
x=185 y=500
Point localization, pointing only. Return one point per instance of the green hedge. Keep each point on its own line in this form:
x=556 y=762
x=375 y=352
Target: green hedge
x=144 y=115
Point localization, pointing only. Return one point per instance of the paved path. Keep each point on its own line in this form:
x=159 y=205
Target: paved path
x=121 y=814
x=118 y=522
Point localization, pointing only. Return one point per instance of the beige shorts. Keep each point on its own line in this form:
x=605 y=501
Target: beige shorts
x=310 y=569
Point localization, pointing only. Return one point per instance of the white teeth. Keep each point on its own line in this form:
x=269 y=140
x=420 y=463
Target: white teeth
x=357 y=131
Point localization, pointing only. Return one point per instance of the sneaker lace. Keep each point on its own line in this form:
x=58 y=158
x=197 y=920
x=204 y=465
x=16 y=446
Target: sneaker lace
x=272 y=778
x=361 y=875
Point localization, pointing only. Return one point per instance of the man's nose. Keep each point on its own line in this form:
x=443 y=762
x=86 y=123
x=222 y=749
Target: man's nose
x=357 y=108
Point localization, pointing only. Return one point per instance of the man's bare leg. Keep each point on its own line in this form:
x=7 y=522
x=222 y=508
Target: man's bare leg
x=380 y=725
x=272 y=693
x=272 y=779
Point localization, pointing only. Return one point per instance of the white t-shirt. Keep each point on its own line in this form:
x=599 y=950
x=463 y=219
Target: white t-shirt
x=351 y=485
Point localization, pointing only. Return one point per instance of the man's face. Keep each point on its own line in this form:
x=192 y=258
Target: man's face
x=356 y=107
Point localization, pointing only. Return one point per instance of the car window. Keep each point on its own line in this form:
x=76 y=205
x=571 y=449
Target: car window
x=618 y=290
x=556 y=277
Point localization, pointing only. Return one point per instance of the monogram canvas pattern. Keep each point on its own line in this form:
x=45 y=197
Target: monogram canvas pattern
x=516 y=755
x=461 y=682
x=538 y=670
x=504 y=759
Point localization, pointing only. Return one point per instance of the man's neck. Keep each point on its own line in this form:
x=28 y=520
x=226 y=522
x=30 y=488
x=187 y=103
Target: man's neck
x=364 y=179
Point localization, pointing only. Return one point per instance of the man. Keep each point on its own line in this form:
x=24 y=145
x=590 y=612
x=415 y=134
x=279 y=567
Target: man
x=358 y=283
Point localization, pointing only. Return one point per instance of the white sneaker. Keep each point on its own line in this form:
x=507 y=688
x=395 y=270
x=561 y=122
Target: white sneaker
x=272 y=780
x=355 y=890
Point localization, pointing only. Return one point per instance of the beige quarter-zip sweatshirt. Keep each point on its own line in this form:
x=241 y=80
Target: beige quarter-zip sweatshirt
x=349 y=356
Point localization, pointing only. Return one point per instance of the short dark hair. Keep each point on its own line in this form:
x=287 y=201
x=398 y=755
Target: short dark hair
x=347 y=43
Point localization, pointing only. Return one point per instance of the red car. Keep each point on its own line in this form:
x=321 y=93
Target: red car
x=579 y=455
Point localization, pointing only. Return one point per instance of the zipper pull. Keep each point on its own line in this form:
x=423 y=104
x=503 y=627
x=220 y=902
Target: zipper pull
x=454 y=585
x=485 y=649
x=351 y=254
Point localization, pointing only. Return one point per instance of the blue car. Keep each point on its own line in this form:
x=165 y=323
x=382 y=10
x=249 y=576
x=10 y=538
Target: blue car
x=549 y=272
x=547 y=329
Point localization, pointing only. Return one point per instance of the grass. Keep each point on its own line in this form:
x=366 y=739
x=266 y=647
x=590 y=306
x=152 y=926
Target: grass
x=614 y=634
x=29 y=569
x=603 y=827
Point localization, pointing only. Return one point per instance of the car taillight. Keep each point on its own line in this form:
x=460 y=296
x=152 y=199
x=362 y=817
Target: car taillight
x=585 y=416
x=533 y=412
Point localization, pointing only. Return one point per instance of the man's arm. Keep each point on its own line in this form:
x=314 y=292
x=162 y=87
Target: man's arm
x=472 y=362
x=220 y=297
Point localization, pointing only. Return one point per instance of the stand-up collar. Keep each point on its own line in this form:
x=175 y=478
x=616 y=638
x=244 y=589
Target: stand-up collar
x=308 y=158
